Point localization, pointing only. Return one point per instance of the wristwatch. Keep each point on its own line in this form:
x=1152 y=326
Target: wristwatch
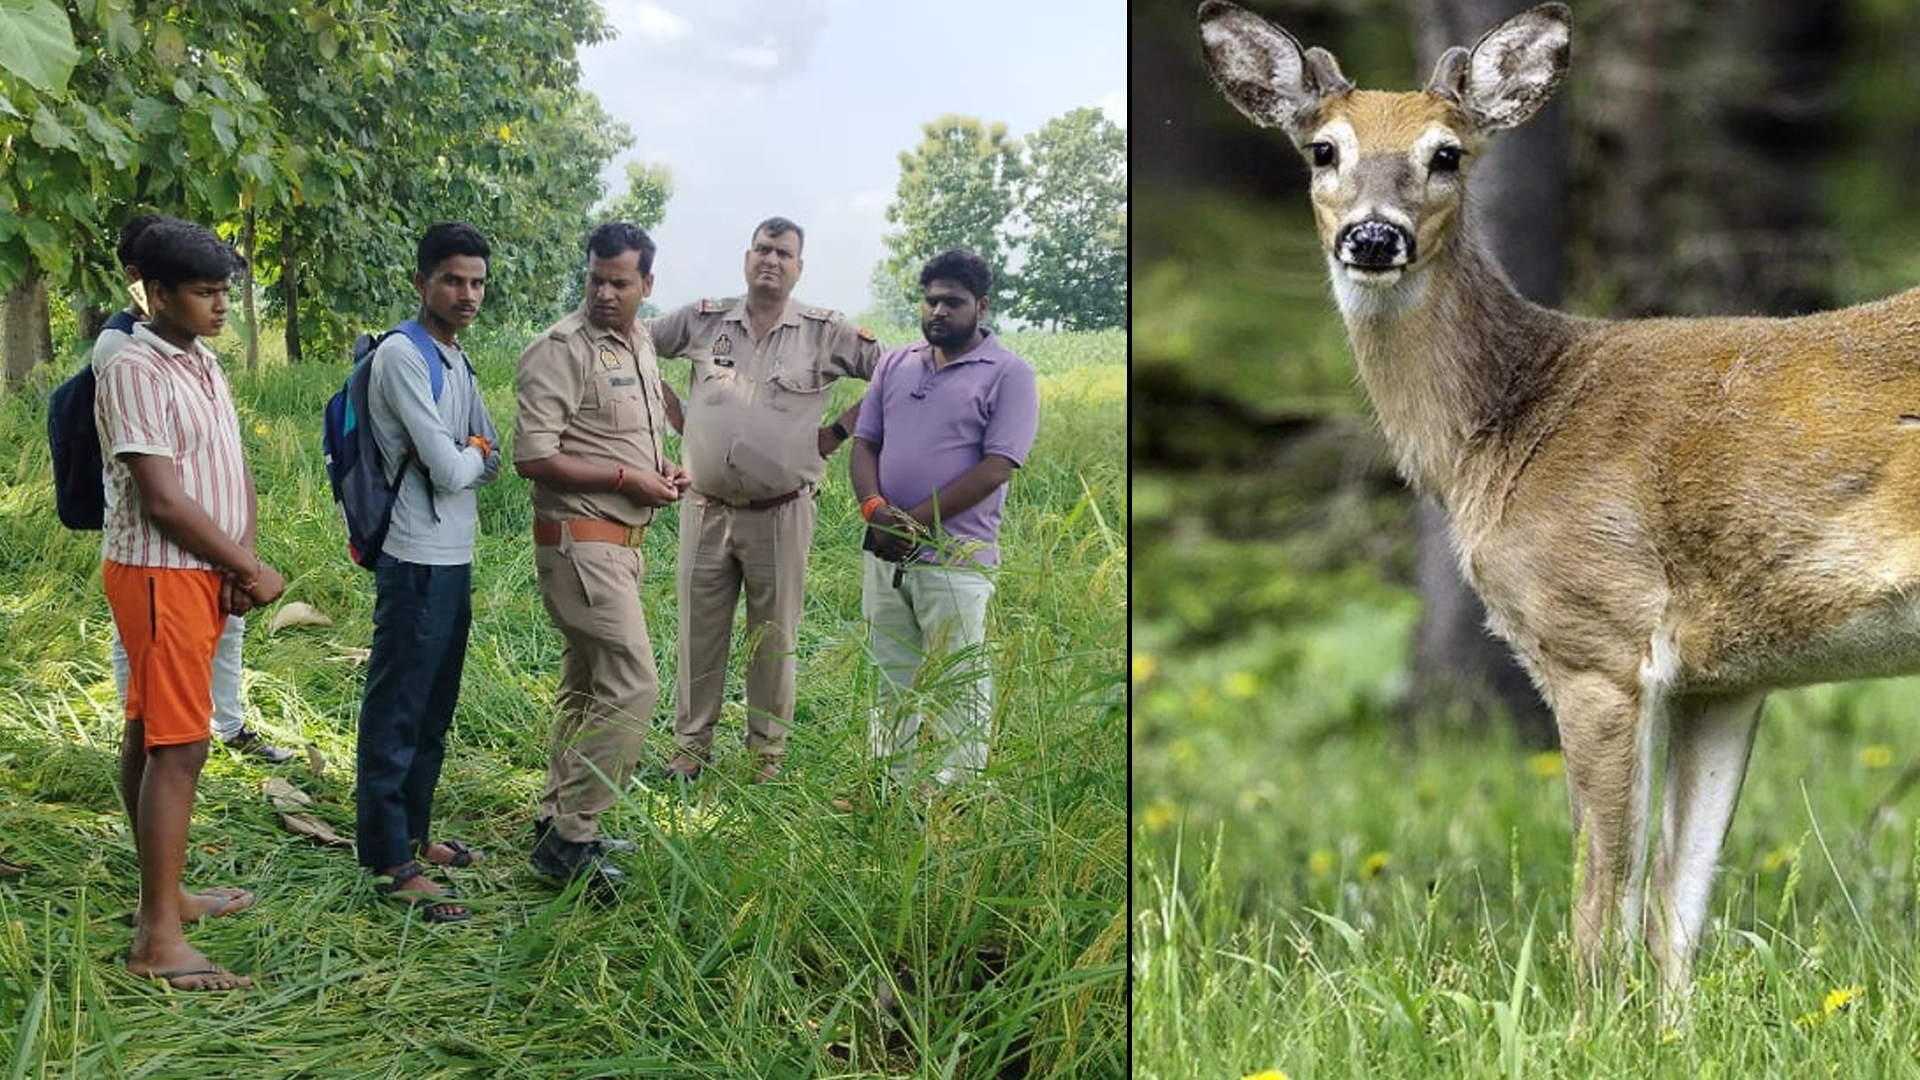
x=840 y=431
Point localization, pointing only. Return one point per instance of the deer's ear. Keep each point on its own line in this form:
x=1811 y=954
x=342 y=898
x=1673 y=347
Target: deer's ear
x=1263 y=71
x=1513 y=70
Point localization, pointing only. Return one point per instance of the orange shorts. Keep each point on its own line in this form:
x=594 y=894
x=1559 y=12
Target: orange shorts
x=170 y=623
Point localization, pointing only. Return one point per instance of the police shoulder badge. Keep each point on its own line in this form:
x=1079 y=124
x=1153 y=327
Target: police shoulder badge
x=820 y=314
x=710 y=306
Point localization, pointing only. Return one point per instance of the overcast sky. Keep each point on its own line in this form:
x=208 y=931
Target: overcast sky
x=802 y=107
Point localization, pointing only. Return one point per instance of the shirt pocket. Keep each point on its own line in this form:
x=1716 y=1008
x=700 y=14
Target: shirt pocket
x=617 y=400
x=797 y=389
x=714 y=384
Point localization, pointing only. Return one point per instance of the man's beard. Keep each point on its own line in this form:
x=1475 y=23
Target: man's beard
x=953 y=336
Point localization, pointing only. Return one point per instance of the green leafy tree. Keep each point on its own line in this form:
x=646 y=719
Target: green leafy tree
x=1075 y=273
x=649 y=188
x=958 y=188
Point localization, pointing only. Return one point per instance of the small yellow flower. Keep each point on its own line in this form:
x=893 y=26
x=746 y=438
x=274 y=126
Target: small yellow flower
x=261 y=428
x=1375 y=865
x=1143 y=667
x=1242 y=686
x=1269 y=1074
x=1157 y=816
x=1320 y=863
x=1876 y=756
x=1547 y=764
x=1840 y=998
x=506 y=132
x=1183 y=753
x=1776 y=859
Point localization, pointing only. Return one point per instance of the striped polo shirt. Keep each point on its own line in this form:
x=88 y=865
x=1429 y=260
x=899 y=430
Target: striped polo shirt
x=154 y=398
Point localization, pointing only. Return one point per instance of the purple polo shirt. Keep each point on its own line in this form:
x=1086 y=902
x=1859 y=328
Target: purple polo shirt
x=931 y=426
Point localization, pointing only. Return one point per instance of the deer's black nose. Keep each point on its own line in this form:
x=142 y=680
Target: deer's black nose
x=1375 y=245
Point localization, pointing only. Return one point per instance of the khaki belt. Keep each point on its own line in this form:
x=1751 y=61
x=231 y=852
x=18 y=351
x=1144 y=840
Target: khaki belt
x=586 y=531
x=763 y=504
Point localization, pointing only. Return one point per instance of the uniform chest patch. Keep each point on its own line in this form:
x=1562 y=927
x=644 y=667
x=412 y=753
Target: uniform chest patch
x=608 y=358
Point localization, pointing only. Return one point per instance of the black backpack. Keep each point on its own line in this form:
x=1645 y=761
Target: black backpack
x=79 y=472
x=360 y=486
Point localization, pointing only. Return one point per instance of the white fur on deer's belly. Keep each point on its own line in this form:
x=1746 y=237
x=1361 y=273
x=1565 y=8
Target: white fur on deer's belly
x=1882 y=641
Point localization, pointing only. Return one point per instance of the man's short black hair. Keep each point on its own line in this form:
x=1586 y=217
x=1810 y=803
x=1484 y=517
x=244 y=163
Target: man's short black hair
x=170 y=253
x=130 y=234
x=616 y=238
x=961 y=265
x=445 y=239
x=779 y=226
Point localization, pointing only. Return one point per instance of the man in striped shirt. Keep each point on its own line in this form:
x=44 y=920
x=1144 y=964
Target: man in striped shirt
x=177 y=559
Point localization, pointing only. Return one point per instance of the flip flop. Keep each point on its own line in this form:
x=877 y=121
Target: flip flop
x=173 y=979
x=463 y=856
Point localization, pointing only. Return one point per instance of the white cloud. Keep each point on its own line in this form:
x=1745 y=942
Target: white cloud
x=656 y=22
x=762 y=57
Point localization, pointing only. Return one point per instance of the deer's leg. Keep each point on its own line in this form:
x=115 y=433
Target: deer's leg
x=1606 y=735
x=1707 y=751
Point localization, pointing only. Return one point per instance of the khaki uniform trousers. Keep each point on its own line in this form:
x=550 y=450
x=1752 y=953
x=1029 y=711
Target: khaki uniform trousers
x=723 y=548
x=608 y=684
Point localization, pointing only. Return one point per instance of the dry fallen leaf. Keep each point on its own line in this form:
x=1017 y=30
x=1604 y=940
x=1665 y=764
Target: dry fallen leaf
x=297 y=614
x=292 y=802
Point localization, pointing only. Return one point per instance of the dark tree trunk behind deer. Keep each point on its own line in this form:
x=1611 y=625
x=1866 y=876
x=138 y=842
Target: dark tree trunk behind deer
x=1520 y=195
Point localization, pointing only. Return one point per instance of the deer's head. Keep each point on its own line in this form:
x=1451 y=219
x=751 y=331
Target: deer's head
x=1389 y=169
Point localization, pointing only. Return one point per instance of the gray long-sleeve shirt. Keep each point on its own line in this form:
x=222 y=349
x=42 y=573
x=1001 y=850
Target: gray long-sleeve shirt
x=436 y=515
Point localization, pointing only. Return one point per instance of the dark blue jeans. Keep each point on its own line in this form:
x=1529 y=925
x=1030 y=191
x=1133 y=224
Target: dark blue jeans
x=420 y=620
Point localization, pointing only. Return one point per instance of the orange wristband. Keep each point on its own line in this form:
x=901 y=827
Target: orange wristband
x=869 y=504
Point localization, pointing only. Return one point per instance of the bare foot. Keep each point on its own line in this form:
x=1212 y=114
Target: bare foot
x=185 y=969
x=217 y=902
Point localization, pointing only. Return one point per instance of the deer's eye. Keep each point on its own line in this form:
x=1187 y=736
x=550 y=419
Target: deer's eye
x=1445 y=159
x=1323 y=154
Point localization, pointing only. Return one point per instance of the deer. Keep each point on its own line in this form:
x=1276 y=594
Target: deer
x=1667 y=519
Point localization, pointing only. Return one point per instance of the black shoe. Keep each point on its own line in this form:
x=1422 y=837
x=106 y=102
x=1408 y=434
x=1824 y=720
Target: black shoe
x=560 y=859
x=248 y=741
x=606 y=845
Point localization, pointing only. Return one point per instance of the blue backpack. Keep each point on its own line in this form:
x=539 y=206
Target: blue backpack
x=354 y=469
x=79 y=472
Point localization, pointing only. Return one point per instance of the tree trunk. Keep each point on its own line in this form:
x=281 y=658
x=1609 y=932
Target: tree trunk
x=1630 y=118
x=248 y=305
x=290 y=291
x=25 y=337
x=1520 y=197
x=1763 y=245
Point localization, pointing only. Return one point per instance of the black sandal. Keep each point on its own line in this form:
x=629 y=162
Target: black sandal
x=431 y=906
x=463 y=856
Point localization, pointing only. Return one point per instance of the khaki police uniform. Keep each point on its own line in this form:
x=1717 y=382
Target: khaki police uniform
x=595 y=394
x=753 y=412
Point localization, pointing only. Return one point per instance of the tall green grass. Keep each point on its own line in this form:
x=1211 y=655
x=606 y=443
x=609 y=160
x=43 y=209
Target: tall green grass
x=763 y=934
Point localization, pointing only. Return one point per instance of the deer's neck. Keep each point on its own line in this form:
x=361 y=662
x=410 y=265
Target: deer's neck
x=1455 y=361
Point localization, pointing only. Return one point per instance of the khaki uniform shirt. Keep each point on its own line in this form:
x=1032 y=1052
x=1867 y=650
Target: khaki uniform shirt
x=754 y=409
x=586 y=391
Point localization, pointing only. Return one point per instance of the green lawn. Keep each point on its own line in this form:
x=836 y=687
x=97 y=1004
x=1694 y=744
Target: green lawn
x=763 y=933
